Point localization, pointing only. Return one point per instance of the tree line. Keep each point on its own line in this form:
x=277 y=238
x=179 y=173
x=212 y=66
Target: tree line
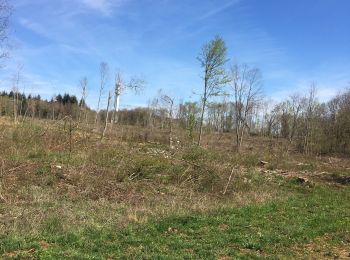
x=307 y=125
x=22 y=106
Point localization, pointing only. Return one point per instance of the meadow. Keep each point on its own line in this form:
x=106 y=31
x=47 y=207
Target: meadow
x=65 y=193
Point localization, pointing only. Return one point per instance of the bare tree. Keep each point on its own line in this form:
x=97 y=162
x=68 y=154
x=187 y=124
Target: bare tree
x=271 y=119
x=32 y=102
x=310 y=110
x=5 y=13
x=134 y=84
x=295 y=106
x=107 y=110
x=103 y=80
x=53 y=102
x=83 y=107
x=212 y=59
x=117 y=92
x=169 y=102
x=15 y=88
x=246 y=86
x=152 y=107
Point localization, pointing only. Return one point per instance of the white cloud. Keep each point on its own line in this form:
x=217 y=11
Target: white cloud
x=325 y=89
x=103 y=6
x=218 y=9
x=33 y=26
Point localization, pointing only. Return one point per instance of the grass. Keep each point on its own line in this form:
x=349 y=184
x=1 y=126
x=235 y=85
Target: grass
x=269 y=230
x=113 y=199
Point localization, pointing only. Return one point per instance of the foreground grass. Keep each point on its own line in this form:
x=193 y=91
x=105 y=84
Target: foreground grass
x=269 y=230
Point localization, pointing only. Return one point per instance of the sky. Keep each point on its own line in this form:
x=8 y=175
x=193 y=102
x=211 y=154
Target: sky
x=292 y=42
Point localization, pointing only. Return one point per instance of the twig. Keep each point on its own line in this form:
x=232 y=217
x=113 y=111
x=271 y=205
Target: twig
x=229 y=181
x=16 y=168
x=2 y=198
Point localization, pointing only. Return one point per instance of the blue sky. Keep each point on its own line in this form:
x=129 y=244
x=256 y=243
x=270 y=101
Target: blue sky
x=293 y=42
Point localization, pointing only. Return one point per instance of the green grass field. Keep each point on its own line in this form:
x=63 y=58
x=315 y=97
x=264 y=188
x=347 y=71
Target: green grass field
x=270 y=230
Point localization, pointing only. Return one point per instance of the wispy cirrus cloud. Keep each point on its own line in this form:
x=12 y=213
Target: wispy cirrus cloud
x=326 y=87
x=105 y=7
x=218 y=9
x=35 y=27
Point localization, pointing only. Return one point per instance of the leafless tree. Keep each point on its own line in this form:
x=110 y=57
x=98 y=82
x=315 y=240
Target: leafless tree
x=103 y=81
x=295 y=107
x=83 y=107
x=5 y=13
x=246 y=87
x=271 y=120
x=53 y=99
x=212 y=59
x=117 y=92
x=15 y=88
x=169 y=103
x=32 y=103
x=152 y=107
x=310 y=110
x=134 y=84
x=107 y=110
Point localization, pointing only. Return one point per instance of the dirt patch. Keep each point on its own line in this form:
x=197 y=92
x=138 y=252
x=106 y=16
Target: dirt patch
x=324 y=248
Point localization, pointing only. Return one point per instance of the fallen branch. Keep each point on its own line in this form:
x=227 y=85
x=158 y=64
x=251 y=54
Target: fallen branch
x=229 y=181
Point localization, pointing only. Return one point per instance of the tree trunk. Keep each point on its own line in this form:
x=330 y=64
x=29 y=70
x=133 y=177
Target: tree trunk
x=114 y=118
x=97 y=111
x=171 y=128
x=201 y=124
x=237 y=138
x=15 y=106
x=117 y=103
x=241 y=138
x=106 y=121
